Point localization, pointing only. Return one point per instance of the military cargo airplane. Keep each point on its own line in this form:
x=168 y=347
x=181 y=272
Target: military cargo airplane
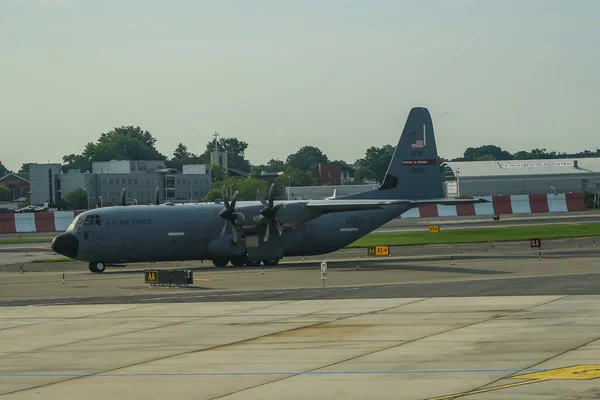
x=251 y=232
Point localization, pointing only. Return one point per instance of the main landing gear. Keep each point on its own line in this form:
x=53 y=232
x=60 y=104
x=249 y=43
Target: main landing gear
x=241 y=261
x=97 y=266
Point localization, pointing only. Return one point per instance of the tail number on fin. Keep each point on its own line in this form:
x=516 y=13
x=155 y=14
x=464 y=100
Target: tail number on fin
x=419 y=162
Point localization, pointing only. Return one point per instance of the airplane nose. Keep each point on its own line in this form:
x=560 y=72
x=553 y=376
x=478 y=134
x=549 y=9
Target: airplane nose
x=66 y=244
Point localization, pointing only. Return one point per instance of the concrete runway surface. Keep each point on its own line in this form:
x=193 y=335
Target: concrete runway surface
x=493 y=325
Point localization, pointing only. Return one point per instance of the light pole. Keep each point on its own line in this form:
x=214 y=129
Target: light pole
x=457 y=182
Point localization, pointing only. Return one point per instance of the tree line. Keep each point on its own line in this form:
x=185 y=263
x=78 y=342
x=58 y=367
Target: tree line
x=134 y=143
x=493 y=153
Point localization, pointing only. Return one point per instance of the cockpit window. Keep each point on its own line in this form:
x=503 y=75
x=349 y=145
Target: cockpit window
x=92 y=220
x=76 y=223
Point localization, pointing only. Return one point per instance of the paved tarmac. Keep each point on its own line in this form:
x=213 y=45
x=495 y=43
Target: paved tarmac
x=491 y=325
x=512 y=269
x=508 y=347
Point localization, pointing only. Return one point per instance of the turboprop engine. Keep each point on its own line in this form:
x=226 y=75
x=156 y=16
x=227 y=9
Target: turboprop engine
x=225 y=246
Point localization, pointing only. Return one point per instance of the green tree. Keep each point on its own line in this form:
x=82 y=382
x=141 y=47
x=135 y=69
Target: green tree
x=76 y=161
x=274 y=165
x=25 y=168
x=307 y=158
x=3 y=170
x=535 y=154
x=292 y=177
x=235 y=149
x=375 y=163
x=4 y=193
x=181 y=152
x=217 y=172
x=76 y=200
x=181 y=157
x=485 y=153
x=122 y=143
x=247 y=188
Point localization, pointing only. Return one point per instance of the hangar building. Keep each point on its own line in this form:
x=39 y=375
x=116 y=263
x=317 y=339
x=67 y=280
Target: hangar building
x=521 y=177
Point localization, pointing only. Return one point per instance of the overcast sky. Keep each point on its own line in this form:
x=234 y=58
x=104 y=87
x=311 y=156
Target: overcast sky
x=339 y=75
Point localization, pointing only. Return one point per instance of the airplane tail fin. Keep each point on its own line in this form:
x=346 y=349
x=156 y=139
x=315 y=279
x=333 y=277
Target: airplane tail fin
x=45 y=205
x=413 y=172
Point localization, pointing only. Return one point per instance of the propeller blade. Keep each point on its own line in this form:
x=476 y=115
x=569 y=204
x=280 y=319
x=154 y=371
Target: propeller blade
x=258 y=218
x=271 y=193
x=267 y=231
x=261 y=198
x=234 y=200
x=224 y=228
x=234 y=231
x=279 y=228
x=224 y=195
x=123 y=197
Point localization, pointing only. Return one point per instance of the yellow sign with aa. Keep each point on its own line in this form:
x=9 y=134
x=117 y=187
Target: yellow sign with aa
x=151 y=275
x=434 y=229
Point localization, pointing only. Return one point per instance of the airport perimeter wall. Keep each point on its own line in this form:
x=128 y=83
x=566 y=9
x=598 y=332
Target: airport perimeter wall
x=59 y=221
x=499 y=205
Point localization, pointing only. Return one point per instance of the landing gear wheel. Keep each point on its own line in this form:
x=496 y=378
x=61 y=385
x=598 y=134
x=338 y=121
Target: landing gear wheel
x=238 y=261
x=220 y=262
x=92 y=266
x=271 y=263
x=100 y=267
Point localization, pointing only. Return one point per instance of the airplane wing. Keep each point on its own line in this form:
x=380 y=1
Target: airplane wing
x=331 y=206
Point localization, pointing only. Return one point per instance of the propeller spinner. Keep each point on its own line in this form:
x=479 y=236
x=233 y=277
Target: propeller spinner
x=269 y=212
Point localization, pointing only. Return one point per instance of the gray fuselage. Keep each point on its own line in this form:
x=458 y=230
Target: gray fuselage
x=184 y=232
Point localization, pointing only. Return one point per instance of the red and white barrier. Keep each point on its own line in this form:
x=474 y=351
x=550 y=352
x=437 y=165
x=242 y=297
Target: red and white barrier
x=59 y=221
x=498 y=205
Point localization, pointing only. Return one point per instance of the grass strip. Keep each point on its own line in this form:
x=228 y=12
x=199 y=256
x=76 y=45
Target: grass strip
x=26 y=240
x=51 y=260
x=479 y=235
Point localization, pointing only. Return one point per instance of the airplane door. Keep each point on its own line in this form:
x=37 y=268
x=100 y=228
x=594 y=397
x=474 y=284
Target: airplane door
x=88 y=244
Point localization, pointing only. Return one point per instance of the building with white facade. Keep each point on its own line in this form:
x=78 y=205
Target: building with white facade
x=108 y=178
x=516 y=177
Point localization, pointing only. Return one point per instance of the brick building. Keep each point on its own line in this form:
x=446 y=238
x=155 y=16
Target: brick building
x=18 y=184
